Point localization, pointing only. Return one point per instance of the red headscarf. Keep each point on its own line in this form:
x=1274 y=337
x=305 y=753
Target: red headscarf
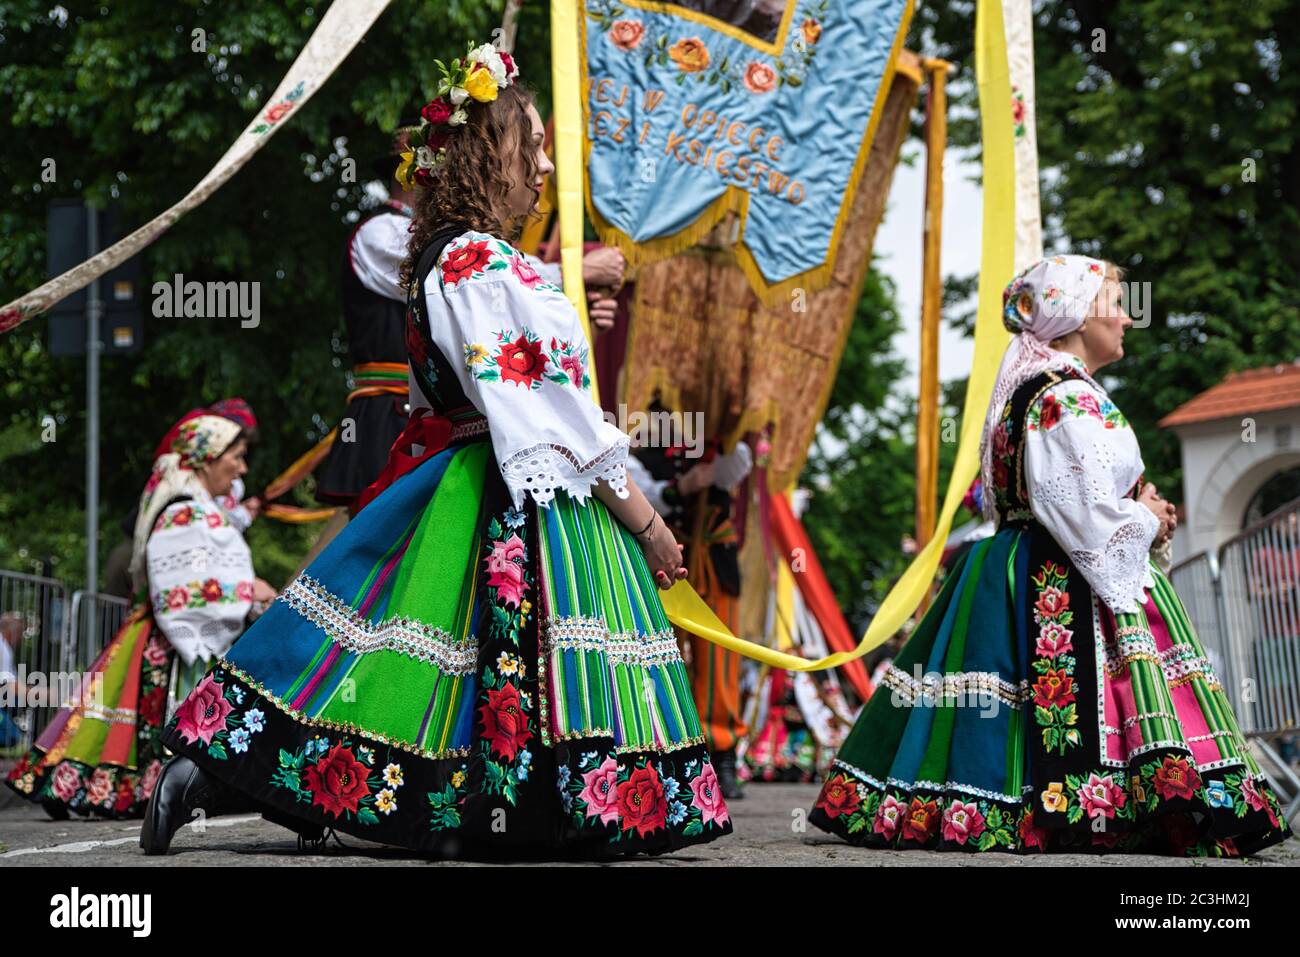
x=234 y=409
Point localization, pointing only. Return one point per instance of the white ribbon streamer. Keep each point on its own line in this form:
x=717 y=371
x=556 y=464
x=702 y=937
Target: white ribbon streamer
x=342 y=27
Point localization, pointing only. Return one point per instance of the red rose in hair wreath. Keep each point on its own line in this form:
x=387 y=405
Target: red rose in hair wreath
x=437 y=139
x=521 y=361
x=337 y=782
x=505 y=724
x=437 y=111
x=464 y=262
x=641 y=802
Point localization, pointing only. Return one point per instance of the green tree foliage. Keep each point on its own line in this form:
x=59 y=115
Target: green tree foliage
x=1142 y=140
x=119 y=98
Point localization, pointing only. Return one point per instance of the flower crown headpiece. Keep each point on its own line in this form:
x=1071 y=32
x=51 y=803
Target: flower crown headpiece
x=476 y=77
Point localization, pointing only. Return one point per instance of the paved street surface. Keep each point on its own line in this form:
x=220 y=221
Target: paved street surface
x=768 y=831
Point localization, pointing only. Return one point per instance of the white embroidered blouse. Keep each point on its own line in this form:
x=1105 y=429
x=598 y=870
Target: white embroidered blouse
x=377 y=249
x=521 y=357
x=1081 y=459
x=200 y=578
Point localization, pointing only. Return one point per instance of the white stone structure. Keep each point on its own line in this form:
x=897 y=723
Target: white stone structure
x=1235 y=437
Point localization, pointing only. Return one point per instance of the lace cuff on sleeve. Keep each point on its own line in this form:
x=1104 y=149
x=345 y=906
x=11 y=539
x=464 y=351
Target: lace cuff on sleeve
x=544 y=469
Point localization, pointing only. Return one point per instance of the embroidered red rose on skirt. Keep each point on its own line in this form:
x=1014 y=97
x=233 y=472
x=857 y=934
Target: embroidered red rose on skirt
x=839 y=796
x=152 y=705
x=921 y=821
x=1176 y=778
x=641 y=802
x=1052 y=602
x=505 y=724
x=337 y=782
x=1055 y=687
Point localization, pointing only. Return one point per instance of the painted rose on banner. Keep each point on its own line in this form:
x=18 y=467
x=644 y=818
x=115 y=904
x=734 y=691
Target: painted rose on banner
x=765 y=108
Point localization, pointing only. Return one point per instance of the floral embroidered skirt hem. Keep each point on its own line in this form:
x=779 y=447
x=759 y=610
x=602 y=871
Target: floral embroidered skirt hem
x=1023 y=716
x=454 y=674
x=102 y=752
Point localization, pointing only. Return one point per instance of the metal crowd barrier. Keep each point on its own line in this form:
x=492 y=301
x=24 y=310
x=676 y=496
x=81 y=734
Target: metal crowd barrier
x=1245 y=604
x=96 y=618
x=34 y=622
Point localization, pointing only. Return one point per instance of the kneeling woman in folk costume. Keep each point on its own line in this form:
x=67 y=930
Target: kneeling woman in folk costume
x=1055 y=696
x=480 y=661
x=193 y=577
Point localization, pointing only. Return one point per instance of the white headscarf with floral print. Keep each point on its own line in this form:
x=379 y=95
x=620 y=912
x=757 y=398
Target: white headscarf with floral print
x=198 y=441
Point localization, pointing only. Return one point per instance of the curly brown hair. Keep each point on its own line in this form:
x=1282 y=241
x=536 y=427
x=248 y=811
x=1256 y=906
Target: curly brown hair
x=471 y=184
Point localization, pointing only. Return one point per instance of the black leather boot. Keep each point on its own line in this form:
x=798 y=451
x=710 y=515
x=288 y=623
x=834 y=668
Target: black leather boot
x=724 y=765
x=183 y=788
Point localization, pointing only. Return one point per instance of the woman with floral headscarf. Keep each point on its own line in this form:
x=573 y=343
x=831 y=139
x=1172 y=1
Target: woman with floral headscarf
x=1055 y=697
x=195 y=589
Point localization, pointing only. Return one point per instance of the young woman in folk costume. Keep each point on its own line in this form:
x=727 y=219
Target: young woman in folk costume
x=480 y=661
x=1055 y=696
x=193 y=577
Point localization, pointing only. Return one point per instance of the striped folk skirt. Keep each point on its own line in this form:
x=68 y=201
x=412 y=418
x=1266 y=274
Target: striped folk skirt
x=102 y=752
x=455 y=674
x=1022 y=715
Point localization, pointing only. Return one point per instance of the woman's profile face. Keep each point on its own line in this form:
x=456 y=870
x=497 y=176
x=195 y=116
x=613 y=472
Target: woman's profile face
x=1103 y=336
x=523 y=195
x=220 y=474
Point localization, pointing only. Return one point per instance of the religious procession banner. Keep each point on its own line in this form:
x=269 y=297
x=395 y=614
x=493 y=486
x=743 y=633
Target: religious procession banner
x=703 y=339
x=340 y=29
x=765 y=108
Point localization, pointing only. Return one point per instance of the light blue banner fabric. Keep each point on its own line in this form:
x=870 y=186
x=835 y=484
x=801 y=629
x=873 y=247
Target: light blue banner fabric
x=772 y=99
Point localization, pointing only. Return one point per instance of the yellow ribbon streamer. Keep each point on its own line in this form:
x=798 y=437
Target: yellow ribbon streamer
x=784 y=624
x=566 y=96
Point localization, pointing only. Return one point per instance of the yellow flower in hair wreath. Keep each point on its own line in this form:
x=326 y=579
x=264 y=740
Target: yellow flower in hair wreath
x=480 y=84
x=405 y=169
